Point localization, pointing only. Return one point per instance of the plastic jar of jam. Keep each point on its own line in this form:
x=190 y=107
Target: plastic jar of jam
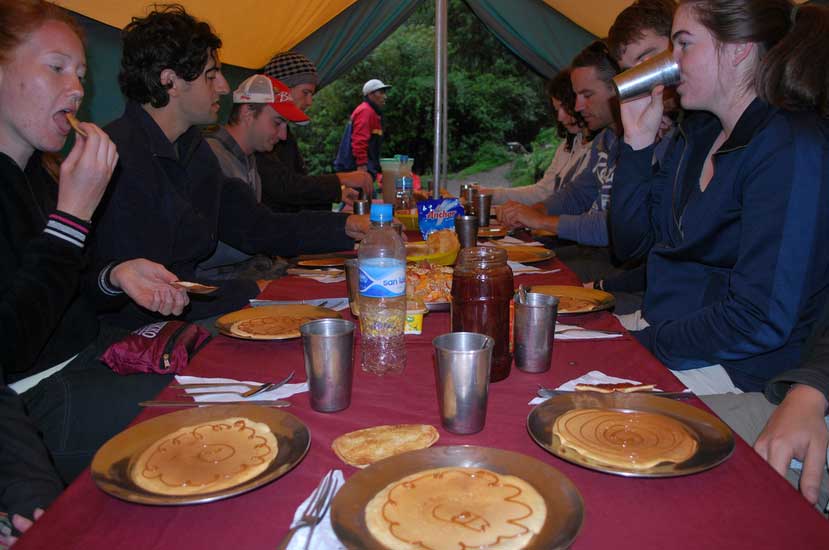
x=482 y=288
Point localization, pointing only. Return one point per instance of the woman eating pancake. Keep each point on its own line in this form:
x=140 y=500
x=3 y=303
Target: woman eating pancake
x=44 y=323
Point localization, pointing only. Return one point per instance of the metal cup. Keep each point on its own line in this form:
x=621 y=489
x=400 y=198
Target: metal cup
x=638 y=81
x=361 y=207
x=534 y=326
x=329 y=362
x=483 y=206
x=463 y=361
x=467 y=230
x=352 y=281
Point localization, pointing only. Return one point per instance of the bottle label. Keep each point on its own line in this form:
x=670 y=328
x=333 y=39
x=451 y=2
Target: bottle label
x=403 y=183
x=383 y=278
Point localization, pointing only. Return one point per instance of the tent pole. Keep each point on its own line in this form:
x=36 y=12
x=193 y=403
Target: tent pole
x=439 y=158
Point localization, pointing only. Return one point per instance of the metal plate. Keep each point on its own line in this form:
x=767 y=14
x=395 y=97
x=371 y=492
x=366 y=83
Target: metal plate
x=599 y=299
x=715 y=440
x=527 y=254
x=225 y=322
x=114 y=460
x=565 y=508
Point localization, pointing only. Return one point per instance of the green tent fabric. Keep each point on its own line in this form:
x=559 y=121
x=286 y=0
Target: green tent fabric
x=536 y=33
x=103 y=101
x=353 y=34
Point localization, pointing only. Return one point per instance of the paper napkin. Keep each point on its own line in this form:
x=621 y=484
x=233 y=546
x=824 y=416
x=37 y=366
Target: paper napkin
x=573 y=332
x=521 y=269
x=592 y=377
x=324 y=537
x=281 y=392
x=509 y=239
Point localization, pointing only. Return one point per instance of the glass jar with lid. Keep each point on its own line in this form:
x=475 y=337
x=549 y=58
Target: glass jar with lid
x=482 y=287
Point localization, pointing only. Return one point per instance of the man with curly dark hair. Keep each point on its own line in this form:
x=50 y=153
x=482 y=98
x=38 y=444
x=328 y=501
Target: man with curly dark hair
x=170 y=201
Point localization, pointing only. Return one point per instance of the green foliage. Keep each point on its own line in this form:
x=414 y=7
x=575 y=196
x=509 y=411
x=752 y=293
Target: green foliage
x=493 y=97
x=528 y=169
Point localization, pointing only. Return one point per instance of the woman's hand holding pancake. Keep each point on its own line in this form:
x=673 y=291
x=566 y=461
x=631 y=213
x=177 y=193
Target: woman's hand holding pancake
x=85 y=173
x=148 y=284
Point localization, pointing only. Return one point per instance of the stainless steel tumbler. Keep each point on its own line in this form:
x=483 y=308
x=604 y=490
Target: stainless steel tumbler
x=638 y=81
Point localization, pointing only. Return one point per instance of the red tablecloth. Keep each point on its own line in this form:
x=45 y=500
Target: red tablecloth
x=742 y=503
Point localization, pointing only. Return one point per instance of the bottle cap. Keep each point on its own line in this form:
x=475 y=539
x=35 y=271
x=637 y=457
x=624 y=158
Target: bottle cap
x=381 y=213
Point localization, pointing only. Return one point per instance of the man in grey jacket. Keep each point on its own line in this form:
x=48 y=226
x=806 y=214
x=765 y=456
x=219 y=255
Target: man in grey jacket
x=262 y=108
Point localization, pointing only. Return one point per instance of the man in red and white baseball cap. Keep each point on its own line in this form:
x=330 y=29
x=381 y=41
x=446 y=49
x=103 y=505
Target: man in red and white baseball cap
x=262 y=109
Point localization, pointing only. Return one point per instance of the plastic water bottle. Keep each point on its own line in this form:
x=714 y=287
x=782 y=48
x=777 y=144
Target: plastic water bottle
x=382 y=265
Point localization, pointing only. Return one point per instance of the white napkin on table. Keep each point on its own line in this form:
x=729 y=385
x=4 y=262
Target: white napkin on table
x=578 y=333
x=324 y=537
x=520 y=269
x=322 y=275
x=281 y=392
x=509 y=239
x=592 y=377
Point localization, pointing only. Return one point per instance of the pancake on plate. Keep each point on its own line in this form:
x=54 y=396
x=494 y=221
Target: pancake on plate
x=322 y=262
x=364 y=447
x=206 y=457
x=628 y=440
x=454 y=508
x=571 y=304
x=266 y=328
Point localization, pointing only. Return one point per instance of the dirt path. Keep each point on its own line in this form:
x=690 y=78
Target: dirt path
x=497 y=177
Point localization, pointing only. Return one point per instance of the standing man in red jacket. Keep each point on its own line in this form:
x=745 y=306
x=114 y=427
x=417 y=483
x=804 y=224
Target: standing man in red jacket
x=366 y=132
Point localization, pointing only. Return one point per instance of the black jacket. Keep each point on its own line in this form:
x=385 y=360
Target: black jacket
x=43 y=319
x=286 y=185
x=171 y=203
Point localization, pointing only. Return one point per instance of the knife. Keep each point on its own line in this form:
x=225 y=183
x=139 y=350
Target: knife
x=543 y=392
x=264 y=403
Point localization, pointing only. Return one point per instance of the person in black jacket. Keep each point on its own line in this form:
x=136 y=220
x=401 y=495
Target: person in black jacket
x=286 y=184
x=51 y=428
x=169 y=200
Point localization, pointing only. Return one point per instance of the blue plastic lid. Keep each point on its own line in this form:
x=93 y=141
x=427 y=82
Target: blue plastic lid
x=381 y=213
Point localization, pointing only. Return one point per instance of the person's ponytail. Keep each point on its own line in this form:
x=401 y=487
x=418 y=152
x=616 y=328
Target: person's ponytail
x=794 y=74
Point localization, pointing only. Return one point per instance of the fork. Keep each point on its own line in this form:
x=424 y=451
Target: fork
x=314 y=512
x=254 y=388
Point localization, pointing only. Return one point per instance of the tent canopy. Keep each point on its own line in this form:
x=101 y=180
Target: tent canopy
x=253 y=30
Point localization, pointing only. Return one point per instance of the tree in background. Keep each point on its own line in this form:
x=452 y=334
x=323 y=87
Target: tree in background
x=493 y=97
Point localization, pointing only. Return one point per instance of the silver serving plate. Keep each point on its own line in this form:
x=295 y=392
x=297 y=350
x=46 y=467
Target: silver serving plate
x=715 y=440
x=113 y=462
x=565 y=508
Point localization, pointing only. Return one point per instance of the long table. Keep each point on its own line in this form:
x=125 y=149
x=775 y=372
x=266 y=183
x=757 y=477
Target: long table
x=742 y=503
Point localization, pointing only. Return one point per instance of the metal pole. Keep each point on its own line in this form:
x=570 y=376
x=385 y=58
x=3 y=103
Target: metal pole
x=439 y=160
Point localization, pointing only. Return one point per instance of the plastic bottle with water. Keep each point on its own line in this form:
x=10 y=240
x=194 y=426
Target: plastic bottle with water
x=382 y=265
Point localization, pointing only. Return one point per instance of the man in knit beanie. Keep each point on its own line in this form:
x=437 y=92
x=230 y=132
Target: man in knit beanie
x=286 y=185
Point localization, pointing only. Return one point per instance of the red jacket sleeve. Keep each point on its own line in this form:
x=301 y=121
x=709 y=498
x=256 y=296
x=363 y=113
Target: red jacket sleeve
x=361 y=127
